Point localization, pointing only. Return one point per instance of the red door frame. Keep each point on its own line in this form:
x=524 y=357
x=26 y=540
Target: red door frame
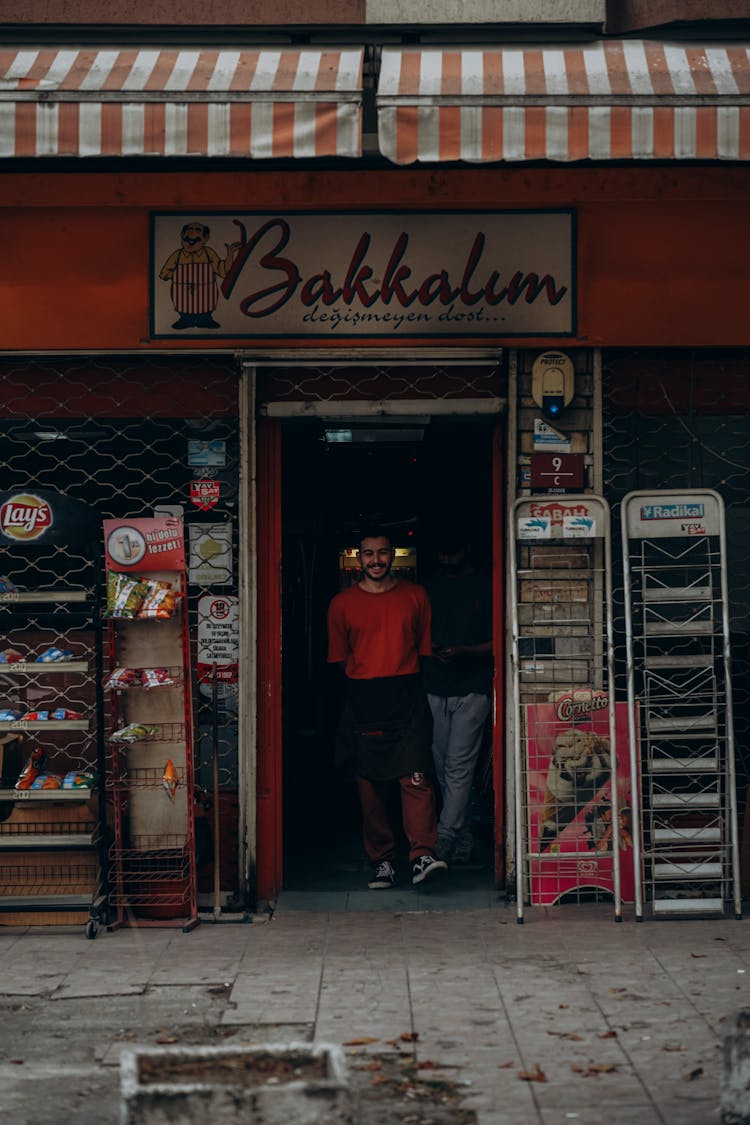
x=269 y=751
x=498 y=643
x=269 y=755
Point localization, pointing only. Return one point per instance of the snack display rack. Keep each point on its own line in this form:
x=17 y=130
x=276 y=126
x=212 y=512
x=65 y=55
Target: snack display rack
x=149 y=728
x=52 y=840
x=680 y=697
x=571 y=797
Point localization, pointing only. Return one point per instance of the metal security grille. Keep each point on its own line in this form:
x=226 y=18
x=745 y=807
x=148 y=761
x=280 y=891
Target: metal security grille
x=679 y=421
x=113 y=432
x=379 y=382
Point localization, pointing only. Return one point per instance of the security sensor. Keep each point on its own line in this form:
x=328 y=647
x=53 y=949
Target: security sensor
x=552 y=383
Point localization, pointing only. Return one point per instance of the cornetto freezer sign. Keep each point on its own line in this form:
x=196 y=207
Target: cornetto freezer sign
x=363 y=275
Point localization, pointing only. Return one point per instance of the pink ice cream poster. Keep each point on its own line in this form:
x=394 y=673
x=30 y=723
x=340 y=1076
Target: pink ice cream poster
x=569 y=794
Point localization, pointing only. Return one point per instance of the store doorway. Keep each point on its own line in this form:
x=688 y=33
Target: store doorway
x=411 y=475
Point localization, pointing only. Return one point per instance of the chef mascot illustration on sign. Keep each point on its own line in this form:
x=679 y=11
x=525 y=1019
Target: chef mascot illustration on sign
x=192 y=271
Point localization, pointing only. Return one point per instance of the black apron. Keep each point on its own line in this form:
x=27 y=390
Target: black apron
x=386 y=728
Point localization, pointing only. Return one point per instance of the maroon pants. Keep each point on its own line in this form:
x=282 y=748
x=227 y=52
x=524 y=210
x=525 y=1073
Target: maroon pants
x=418 y=813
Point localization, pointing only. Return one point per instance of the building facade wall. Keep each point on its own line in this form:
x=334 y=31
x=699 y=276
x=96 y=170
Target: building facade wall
x=659 y=261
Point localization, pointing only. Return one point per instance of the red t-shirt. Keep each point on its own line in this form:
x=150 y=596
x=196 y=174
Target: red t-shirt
x=379 y=634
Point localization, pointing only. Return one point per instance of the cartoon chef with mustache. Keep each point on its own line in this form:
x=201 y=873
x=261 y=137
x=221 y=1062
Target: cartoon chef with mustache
x=193 y=270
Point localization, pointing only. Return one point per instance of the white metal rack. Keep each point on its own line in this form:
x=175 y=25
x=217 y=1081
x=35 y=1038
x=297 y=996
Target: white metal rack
x=680 y=703
x=569 y=801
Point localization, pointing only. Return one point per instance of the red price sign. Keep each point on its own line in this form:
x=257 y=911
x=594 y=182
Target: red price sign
x=204 y=493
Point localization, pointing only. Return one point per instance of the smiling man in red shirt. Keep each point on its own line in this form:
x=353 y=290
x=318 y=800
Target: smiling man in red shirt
x=378 y=629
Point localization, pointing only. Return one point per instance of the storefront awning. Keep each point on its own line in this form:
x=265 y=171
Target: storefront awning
x=608 y=100
x=208 y=103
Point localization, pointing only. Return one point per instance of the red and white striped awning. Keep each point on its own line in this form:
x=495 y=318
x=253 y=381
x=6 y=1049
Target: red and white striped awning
x=155 y=102
x=607 y=100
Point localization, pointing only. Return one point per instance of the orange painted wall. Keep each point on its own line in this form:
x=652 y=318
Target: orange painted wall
x=662 y=252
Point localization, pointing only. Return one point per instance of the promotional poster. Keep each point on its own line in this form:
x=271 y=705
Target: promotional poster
x=145 y=544
x=569 y=778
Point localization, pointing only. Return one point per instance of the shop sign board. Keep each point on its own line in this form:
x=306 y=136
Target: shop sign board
x=391 y=275
x=141 y=545
x=570 y=796
x=218 y=638
x=210 y=558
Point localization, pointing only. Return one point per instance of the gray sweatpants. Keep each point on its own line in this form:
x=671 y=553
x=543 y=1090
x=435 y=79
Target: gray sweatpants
x=458 y=726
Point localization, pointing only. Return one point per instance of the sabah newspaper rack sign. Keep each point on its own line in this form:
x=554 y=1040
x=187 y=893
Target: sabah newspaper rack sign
x=571 y=800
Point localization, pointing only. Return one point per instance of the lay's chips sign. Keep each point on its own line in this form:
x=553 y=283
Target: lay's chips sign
x=25 y=516
x=34 y=517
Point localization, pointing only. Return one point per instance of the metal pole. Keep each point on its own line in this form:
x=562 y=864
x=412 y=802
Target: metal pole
x=215 y=763
x=731 y=773
x=635 y=772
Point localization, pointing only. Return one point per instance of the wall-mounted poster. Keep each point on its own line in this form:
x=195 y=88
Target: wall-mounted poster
x=145 y=544
x=569 y=793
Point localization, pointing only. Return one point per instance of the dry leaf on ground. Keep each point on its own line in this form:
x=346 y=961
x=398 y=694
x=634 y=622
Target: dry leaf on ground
x=593 y=1069
x=533 y=1074
x=691 y=1075
x=360 y=1042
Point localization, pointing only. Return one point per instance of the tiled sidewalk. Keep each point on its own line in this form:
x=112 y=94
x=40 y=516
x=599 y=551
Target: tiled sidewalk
x=624 y=1021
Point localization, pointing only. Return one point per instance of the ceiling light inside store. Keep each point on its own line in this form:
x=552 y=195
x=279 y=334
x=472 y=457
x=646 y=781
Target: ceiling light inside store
x=371 y=436
x=384 y=428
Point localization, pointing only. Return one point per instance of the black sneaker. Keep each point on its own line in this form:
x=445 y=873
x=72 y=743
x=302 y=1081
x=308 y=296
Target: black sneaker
x=427 y=867
x=383 y=876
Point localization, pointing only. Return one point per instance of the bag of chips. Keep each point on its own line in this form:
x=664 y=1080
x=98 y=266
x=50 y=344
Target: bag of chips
x=6 y=586
x=53 y=655
x=79 y=779
x=9 y=715
x=10 y=656
x=65 y=713
x=123 y=678
x=35 y=717
x=47 y=781
x=125 y=594
x=160 y=599
x=34 y=765
x=170 y=779
x=134 y=732
x=156 y=677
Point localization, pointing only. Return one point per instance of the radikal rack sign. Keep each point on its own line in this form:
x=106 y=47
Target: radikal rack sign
x=406 y=274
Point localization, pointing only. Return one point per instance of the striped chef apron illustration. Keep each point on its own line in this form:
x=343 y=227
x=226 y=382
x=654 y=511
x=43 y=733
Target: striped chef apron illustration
x=194 y=288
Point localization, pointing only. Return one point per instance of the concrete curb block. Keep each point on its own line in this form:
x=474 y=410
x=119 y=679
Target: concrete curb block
x=735 y=1087
x=317 y=1101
